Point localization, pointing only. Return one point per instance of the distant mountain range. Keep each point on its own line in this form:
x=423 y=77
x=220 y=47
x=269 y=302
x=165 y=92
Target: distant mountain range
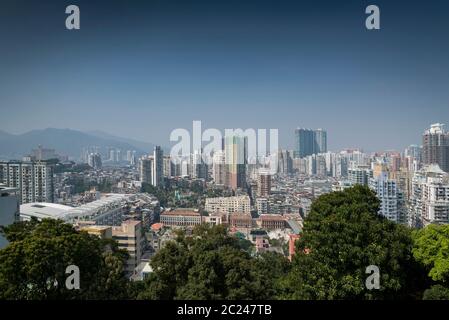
x=65 y=142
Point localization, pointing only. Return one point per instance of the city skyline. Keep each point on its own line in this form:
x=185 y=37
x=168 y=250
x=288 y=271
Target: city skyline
x=143 y=71
x=291 y=147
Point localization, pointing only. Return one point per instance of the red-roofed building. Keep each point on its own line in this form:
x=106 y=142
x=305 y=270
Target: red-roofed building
x=291 y=245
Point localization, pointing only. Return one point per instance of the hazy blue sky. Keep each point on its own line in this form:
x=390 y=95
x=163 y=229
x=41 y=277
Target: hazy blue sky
x=140 y=69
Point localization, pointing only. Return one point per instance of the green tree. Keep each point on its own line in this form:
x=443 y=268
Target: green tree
x=160 y=193
x=344 y=234
x=210 y=264
x=276 y=266
x=431 y=248
x=33 y=265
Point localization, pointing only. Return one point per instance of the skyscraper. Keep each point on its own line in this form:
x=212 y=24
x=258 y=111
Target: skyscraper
x=304 y=142
x=235 y=161
x=436 y=146
x=308 y=142
x=429 y=200
x=320 y=139
x=285 y=161
x=264 y=183
x=158 y=167
x=94 y=160
x=169 y=167
x=146 y=167
x=219 y=171
x=199 y=167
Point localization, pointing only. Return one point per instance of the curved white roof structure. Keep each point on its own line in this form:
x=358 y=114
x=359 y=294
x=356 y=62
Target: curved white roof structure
x=43 y=210
x=89 y=211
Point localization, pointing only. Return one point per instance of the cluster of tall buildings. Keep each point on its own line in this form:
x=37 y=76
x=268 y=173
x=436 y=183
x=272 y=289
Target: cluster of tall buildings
x=94 y=160
x=151 y=168
x=33 y=179
x=412 y=186
x=309 y=142
x=110 y=155
x=228 y=166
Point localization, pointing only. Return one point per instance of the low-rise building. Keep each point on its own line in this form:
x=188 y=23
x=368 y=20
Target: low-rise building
x=182 y=217
x=237 y=204
x=271 y=222
x=241 y=221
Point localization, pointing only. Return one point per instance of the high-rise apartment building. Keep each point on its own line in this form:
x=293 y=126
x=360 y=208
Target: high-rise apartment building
x=169 y=167
x=146 y=169
x=9 y=209
x=235 y=156
x=391 y=198
x=308 y=142
x=304 y=142
x=360 y=175
x=219 y=168
x=158 y=167
x=264 y=183
x=429 y=199
x=94 y=160
x=199 y=167
x=320 y=144
x=33 y=179
x=435 y=148
x=285 y=162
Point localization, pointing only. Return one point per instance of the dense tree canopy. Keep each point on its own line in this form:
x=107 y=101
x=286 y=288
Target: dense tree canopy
x=343 y=235
x=33 y=265
x=431 y=248
x=212 y=265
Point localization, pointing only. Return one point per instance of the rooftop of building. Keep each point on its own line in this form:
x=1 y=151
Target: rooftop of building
x=238 y=197
x=43 y=210
x=57 y=211
x=240 y=216
x=156 y=226
x=271 y=217
x=127 y=227
x=181 y=212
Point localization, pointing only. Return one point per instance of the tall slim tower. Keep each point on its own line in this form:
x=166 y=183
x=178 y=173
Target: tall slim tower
x=235 y=161
x=146 y=168
x=320 y=138
x=158 y=167
x=264 y=183
x=436 y=146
